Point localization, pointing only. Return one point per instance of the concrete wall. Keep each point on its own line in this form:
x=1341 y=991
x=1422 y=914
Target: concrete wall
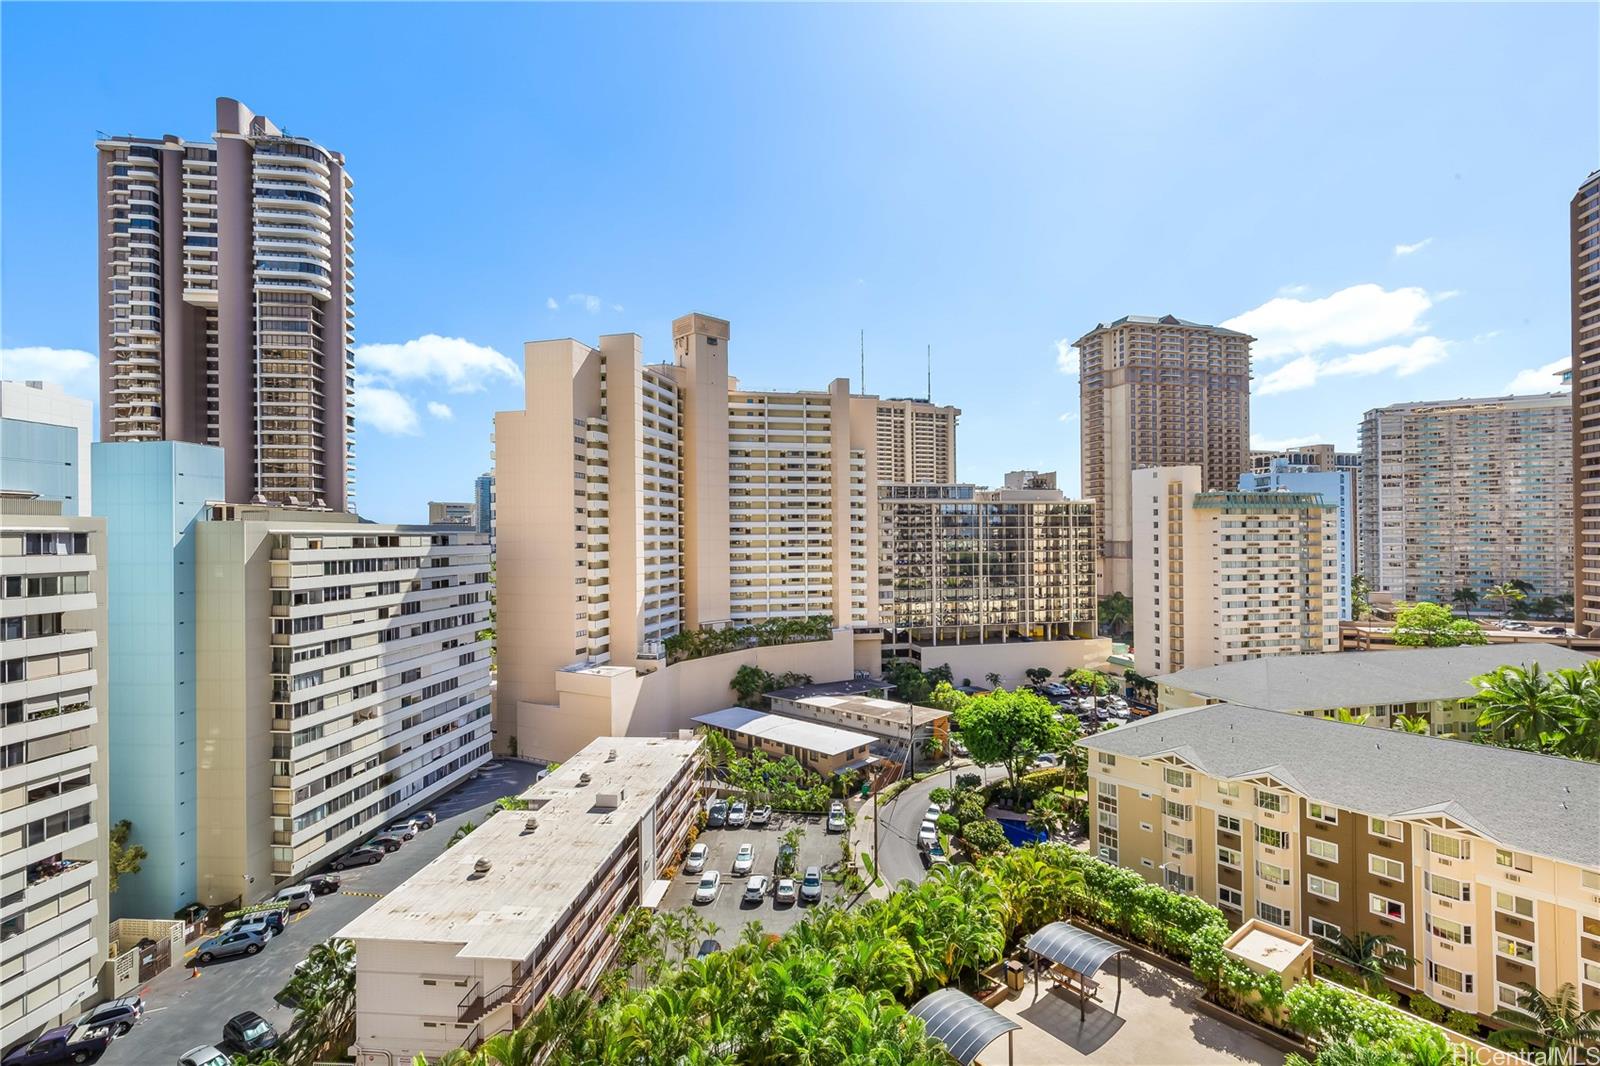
x=974 y=661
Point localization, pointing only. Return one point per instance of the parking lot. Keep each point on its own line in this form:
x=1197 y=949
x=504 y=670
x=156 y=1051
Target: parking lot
x=183 y=1011
x=728 y=911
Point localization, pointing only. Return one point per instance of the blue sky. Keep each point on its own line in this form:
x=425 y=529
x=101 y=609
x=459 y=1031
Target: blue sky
x=1379 y=191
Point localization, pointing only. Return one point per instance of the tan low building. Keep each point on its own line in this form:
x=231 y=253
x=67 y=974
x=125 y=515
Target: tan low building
x=822 y=749
x=475 y=941
x=888 y=720
x=1483 y=863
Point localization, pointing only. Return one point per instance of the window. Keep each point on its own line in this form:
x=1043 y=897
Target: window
x=1445 y=929
x=1505 y=901
x=1509 y=998
x=1382 y=827
x=1591 y=879
x=1276 y=875
x=1326 y=850
x=1105 y=758
x=1106 y=790
x=1228 y=788
x=1511 y=860
x=1176 y=778
x=1449 y=847
x=1230 y=897
x=1181 y=811
x=1107 y=842
x=1273 y=838
x=1321 y=812
x=1591 y=972
x=1230 y=857
x=1454 y=980
x=1513 y=949
x=1322 y=886
x=1176 y=881
x=1448 y=887
x=1391 y=869
x=1269 y=913
x=1385 y=907
x=1173 y=842
x=1591 y=926
x=1227 y=823
x=1269 y=801
x=1325 y=930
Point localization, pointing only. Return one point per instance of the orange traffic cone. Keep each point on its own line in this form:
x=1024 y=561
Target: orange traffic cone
x=194 y=972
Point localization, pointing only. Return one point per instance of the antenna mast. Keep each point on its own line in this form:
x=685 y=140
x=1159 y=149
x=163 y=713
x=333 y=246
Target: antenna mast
x=863 y=362
x=930 y=373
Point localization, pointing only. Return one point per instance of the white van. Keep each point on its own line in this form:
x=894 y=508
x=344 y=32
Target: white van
x=296 y=897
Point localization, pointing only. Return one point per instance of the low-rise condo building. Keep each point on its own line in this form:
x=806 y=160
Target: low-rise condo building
x=1224 y=576
x=822 y=749
x=516 y=913
x=1481 y=862
x=54 y=901
x=889 y=720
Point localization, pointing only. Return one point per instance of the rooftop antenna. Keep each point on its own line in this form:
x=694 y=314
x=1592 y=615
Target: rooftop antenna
x=930 y=373
x=863 y=362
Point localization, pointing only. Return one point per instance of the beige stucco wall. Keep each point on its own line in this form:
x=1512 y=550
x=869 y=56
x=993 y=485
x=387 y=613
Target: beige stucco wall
x=974 y=661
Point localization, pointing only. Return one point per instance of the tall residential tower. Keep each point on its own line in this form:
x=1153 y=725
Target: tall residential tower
x=1586 y=401
x=227 y=304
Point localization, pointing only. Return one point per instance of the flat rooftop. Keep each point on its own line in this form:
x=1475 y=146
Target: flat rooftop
x=506 y=912
x=1539 y=804
x=780 y=729
x=1363 y=678
x=889 y=712
x=854 y=686
x=1271 y=950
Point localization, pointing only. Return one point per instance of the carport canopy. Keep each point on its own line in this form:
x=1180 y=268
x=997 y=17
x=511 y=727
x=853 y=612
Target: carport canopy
x=963 y=1025
x=1078 y=950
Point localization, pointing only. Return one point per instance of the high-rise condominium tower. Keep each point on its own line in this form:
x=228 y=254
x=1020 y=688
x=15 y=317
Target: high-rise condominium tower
x=1158 y=392
x=1586 y=400
x=1467 y=494
x=227 y=301
x=916 y=439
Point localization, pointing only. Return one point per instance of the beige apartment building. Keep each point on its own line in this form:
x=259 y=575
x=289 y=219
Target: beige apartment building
x=822 y=749
x=475 y=941
x=1585 y=230
x=1481 y=862
x=54 y=794
x=1157 y=392
x=445 y=513
x=1225 y=576
x=915 y=440
x=227 y=304
x=340 y=682
x=1309 y=458
x=1467 y=494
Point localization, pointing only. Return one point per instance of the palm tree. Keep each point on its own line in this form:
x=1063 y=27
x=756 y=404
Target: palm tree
x=1115 y=614
x=993 y=679
x=1557 y=1023
x=1520 y=703
x=1371 y=958
x=1506 y=593
x=519 y=1047
x=1545 y=607
x=1466 y=598
x=463 y=831
x=1411 y=723
x=1349 y=717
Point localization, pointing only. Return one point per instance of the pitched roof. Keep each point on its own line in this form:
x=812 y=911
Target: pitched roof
x=1539 y=804
x=780 y=729
x=1362 y=679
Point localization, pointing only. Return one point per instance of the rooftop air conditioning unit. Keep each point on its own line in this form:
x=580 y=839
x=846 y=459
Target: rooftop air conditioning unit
x=610 y=800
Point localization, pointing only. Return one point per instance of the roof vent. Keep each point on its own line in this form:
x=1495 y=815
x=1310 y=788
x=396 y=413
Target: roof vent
x=611 y=756
x=529 y=824
x=584 y=778
x=482 y=866
x=610 y=800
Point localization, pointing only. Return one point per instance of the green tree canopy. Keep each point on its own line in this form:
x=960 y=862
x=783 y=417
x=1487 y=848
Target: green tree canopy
x=1010 y=728
x=1428 y=625
x=125 y=857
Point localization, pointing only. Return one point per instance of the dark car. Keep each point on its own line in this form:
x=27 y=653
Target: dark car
x=68 y=1043
x=707 y=947
x=387 y=841
x=249 y=1032
x=323 y=884
x=1554 y=631
x=427 y=819
x=118 y=1015
x=362 y=856
x=273 y=920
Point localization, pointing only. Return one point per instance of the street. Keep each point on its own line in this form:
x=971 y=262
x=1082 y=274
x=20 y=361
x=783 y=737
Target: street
x=898 y=856
x=184 y=1011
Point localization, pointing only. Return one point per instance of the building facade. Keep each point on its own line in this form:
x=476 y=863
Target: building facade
x=1467 y=494
x=341 y=682
x=1336 y=486
x=1307 y=458
x=465 y=950
x=1585 y=230
x=1157 y=392
x=151 y=494
x=54 y=906
x=1331 y=829
x=227 y=304
x=45 y=435
x=914 y=440
x=1224 y=576
x=453 y=514
x=483 y=497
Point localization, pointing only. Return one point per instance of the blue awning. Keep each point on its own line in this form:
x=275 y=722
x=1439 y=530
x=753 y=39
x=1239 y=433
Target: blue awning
x=963 y=1025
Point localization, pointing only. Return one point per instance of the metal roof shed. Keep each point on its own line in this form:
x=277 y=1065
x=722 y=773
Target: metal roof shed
x=963 y=1025
x=1078 y=950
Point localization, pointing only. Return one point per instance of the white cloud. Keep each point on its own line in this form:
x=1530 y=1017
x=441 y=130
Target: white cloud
x=1545 y=378
x=75 y=370
x=616 y=307
x=1448 y=294
x=1409 y=249
x=1067 y=416
x=1281 y=444
x=1294 y=290
x=1485 y=338
x=550 y=302
x=440 y=410
x=1066 y=357
x=1402 y=360
x=589 y=303
x=1352 y=317
x=457 y=364
x=1292 y=376
x=385 y=410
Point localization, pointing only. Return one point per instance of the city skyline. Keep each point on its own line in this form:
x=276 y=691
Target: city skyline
x=820 y=207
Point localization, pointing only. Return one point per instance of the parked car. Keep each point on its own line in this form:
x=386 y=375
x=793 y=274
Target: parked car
x=960 y=748
x=836 y=817
x=696 y=861
x=1045 y=760
x=933 y=812
x=755 y=889
x=745 y=860
x=205 y=1055
x=785 y=893
x=227 y=945
x=323 y=884
x=761 y=815
x=387 y=842
x=736 y=814
x=708 y=947
x=928 y=835
x=362 y=856
x=936 y=855
x=405 y=829
x=811 y=884
x=66 y=1043
x=296 y=897
x=267 y=922
x=706 y=890
x=249 y=1032
x=118 y=1015
x=1517 y=627
x=1554 y=631
x=425 y=819
x=717 y=815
